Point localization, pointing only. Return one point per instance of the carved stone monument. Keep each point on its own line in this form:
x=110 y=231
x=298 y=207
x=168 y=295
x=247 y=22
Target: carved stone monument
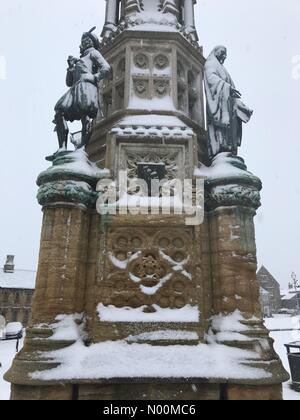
x=146 y=305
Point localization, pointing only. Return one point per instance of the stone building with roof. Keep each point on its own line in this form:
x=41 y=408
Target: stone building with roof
x=16 y=292
x=266 y=302
x=270 y=285
x=290 y=300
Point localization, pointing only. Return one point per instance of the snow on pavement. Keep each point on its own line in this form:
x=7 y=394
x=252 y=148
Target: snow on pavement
x=7 y=353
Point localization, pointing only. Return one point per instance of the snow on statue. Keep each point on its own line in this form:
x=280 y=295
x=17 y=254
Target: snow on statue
x=81 y=102
x=225 y=111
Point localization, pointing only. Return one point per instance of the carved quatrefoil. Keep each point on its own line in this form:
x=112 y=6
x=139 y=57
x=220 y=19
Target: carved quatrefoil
x=161 y=61
x=141 y=61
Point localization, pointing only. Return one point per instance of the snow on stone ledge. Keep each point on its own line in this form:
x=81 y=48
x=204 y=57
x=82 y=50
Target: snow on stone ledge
x=164 y=335
x=67 y=328
x=81 y=164
x=229 y=323
x=221 y=167
x=126 y=359
x=122 y=360
x=112 y=314
x=152 y=126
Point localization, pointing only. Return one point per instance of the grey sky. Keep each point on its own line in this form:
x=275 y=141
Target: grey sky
x=262 y=38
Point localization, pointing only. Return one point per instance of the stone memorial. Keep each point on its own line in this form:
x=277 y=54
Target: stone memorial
x=148 y=304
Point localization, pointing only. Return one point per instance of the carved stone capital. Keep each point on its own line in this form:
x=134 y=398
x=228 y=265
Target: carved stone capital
x=72 y=192
x=71 y=180
x=227 y=195
x=228 y=183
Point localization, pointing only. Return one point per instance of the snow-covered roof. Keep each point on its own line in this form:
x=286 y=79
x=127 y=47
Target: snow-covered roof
x=20 y=279
x=288 y=294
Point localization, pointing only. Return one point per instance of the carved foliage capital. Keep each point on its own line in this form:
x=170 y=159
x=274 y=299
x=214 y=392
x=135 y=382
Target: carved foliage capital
x=70 y=192
x=233 y=195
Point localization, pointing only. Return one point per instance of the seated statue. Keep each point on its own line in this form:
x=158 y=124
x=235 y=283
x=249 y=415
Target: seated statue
x=81 y=102
x=225 y=111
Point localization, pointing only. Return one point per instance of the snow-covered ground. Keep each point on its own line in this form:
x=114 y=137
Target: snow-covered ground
x=281 y=338
x=7 y=352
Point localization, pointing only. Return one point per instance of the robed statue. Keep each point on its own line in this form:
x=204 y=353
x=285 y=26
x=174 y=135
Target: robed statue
x=81 y=102
x=226 y=113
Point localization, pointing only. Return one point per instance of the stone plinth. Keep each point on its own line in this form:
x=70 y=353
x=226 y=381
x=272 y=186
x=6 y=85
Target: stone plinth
x=145 y=305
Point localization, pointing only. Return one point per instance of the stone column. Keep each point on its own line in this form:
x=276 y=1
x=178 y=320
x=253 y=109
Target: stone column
x=67 y=193
x=111 y=18
x=232 y=201
x=111 y=12
x=189 y=19
x=189 y=16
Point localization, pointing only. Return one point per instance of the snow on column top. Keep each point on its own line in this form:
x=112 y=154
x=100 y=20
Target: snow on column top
x=152 y=13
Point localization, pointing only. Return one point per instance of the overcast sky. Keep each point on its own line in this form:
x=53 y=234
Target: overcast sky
x=262 y=38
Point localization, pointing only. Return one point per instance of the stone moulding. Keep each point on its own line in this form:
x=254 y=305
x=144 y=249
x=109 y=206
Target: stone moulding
x=67 y=191
x=72 y=179
x=241 y=188
x=223 y=195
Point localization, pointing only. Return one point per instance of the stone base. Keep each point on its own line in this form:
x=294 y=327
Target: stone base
x=253 y=393
x=166 y=391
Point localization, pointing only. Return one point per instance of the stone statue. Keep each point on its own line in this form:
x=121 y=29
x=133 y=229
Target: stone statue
x=225 y=111
x=81 y=102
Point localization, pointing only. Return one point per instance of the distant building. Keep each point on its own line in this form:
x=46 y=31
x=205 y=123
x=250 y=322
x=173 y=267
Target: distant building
x=265 y=302
x=290 y=299
x=270 y=285
x=16 y=292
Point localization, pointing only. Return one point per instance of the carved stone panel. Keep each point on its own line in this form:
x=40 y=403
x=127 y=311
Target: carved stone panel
x=161 y=61
x=141 y=61
x=175 y=158
x=141 y=88
x=161 y=88
x=150 y=268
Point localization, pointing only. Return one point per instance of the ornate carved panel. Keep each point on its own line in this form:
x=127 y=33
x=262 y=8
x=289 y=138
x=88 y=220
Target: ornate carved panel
x=161 y=61
x=161 y=88
x=141 y=88
x=149 y=267
x=173 y=157
x=141 y=61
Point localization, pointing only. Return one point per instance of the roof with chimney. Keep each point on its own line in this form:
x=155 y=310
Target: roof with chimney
x=11 y=278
